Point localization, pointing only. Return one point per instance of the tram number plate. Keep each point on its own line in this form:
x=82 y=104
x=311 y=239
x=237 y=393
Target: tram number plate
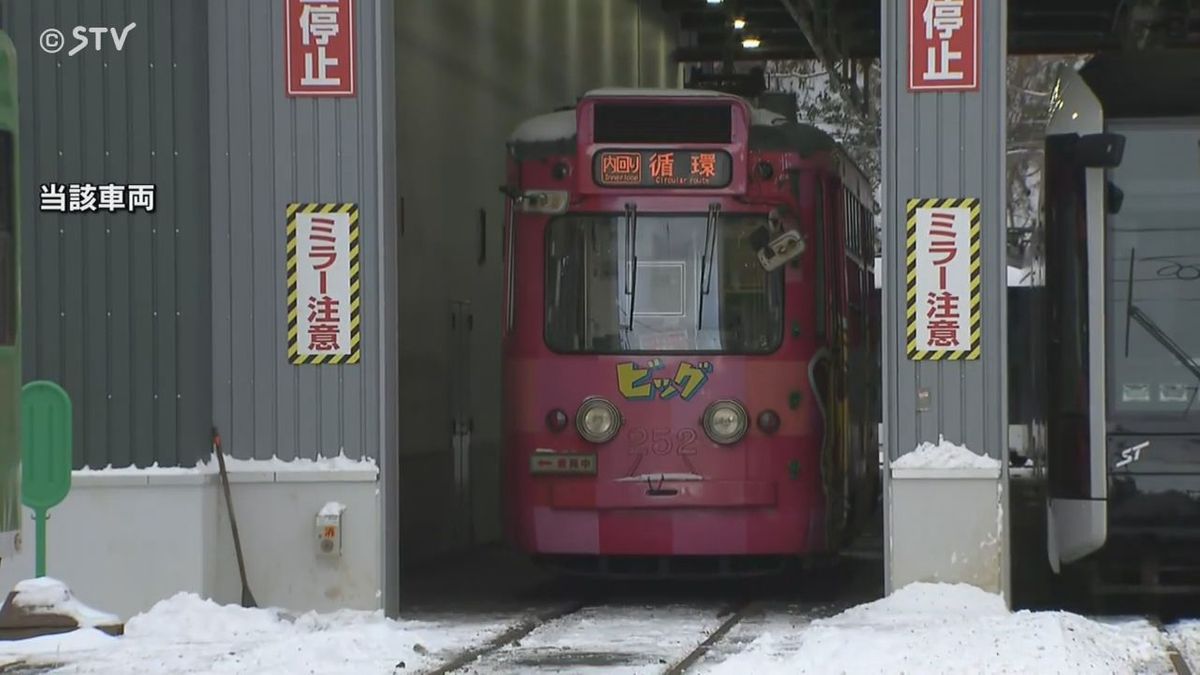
x=662 y=441
x=567 y=463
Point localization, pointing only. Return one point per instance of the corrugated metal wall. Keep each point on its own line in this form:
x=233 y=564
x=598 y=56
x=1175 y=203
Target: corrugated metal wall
x=268 y=150
x=945 y=145
x=117 y=305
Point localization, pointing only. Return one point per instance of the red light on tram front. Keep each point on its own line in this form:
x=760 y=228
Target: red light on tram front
x=556 y=420
x=768 y=421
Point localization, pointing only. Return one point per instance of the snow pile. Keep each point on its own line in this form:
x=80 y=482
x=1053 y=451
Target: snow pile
x=51 y=596
x=55 y=648
x=209 y=465
x=188 y=634
x=152 y=470
x=944 y=455
x=766 y=118
x=332 y=510
x=340 y=462
x=1185 y=635
x=1034 y=275
x=945 y=628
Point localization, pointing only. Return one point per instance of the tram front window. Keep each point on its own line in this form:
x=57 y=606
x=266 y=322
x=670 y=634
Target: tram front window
x=1153 y=251
x=688 y=292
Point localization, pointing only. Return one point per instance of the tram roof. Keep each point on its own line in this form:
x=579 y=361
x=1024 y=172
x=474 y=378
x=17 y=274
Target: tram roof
x=1034 y=27
x=554 y=132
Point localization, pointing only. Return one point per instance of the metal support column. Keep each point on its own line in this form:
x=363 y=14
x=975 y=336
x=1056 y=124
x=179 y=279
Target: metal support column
x=944 y=149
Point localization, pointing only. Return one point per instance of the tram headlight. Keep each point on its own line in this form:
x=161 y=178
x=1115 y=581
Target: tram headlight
x=725 y=422
x=598 y=420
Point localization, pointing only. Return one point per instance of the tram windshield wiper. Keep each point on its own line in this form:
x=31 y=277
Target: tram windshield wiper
x=706 y=261
x=1135 y=314
x=631 y=257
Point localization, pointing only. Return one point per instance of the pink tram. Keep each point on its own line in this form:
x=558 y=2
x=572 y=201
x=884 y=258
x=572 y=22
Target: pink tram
x=690 y=354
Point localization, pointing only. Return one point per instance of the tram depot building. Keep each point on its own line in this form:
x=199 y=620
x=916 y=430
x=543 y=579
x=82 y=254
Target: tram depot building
x=182 y=283
x=163 y=324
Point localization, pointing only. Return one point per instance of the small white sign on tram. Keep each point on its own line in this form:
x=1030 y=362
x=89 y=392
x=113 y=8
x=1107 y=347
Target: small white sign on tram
x=943 y=279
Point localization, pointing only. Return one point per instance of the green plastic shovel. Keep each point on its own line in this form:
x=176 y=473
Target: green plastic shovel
x=45 y=454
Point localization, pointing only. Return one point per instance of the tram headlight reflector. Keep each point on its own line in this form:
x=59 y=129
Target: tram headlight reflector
x=725 y=422
x=598 y=420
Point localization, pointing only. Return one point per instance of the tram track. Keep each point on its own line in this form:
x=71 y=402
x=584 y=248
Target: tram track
x=1178 y=661
x=511 y=636
x=736 y=612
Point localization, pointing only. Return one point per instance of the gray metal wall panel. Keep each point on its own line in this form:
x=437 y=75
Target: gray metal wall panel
x=260 y=162
x=283 y=125
x=141 y=239
x=467 y=72
x=269 y=150
x=945 y=145
x=112 y=299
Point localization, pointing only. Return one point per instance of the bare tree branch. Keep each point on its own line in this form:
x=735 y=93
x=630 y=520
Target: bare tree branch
x=802 y=12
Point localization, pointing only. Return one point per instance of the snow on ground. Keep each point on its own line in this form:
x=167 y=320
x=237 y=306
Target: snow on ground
x=951 y=628
x=944 y=455
x=186 y=634
x=52 y=596
x=613 y=640
x=1186 y=637
x=934 y=628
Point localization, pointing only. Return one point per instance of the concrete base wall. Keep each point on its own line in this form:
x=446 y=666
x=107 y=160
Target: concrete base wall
x=125 y=541
x=947 y=527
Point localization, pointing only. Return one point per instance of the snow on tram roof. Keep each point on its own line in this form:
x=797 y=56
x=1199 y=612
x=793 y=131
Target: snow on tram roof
x=761 y=117
x=555 y=126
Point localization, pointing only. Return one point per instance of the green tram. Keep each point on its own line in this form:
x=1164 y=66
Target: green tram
x=10 y=306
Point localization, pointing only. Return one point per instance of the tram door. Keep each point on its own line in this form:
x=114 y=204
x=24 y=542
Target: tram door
x=1071 y=321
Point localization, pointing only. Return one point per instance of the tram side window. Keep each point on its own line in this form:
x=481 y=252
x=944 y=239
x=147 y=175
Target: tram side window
x=8 y=242
x=1153 y=327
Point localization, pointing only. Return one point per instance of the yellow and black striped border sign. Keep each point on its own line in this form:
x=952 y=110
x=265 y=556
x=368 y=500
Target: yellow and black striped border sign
x=293 y=343
x=910 y=255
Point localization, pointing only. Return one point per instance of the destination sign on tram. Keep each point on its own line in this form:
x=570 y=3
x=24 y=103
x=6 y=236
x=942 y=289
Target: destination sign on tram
x=662 y=168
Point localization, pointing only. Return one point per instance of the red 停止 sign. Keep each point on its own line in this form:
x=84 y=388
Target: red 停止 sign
x=943 y=45
x=320 y=47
